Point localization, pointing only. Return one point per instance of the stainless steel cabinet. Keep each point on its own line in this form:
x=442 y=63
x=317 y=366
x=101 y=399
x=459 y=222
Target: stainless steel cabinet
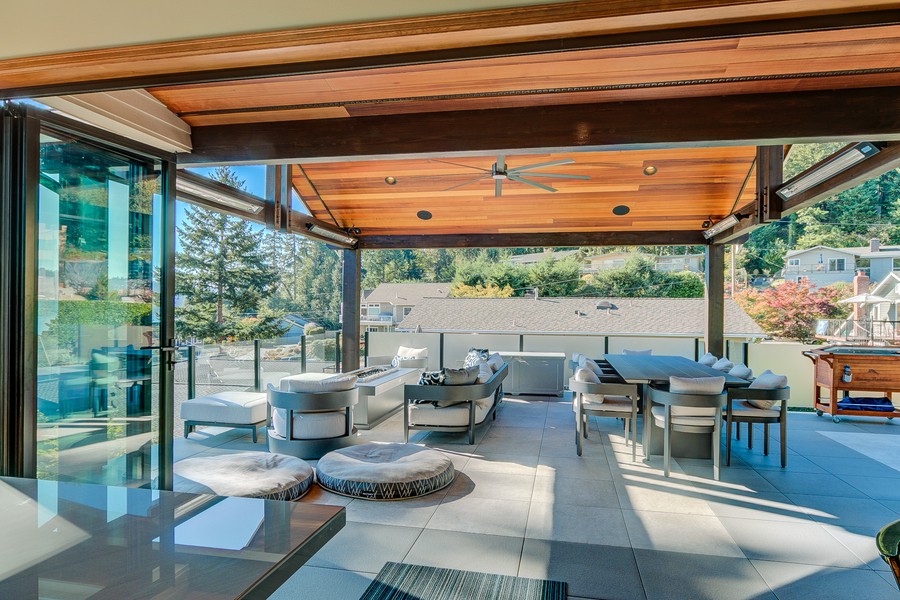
x=539 y=373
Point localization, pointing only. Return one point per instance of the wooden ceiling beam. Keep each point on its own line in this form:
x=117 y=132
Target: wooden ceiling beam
x=526 y=240
x=502 y=32
x=751 y=119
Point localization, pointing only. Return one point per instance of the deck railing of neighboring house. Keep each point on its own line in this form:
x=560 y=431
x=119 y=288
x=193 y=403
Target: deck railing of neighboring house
x=859 y=331
x=377 y=318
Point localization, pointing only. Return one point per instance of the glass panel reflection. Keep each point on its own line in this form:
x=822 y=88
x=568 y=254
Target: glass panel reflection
x=98 y=270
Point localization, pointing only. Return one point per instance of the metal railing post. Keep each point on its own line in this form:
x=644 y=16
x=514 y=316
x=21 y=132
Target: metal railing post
x=257 y=365
x=303 y=354
x=366 y=349
x=337 y=352
x=191 y=371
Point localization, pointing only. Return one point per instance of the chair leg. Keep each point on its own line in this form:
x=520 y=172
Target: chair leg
x=585 y=425
x=737 y=435
x=716 y=444
x=634 y=434
x=579 y=423
x=750 y=436
x=254 y=434
x=626 y=419
x=783 y=441
x=728 y=424
x=667 y=440
x=766 y=439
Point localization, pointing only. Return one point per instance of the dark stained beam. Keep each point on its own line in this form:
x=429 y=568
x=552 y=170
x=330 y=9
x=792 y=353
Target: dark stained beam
x=520 y=240
x=884 y=161
x=714 y=337
x=350 y=298
x=176 y=74
x=751 y=119
x=769 y=168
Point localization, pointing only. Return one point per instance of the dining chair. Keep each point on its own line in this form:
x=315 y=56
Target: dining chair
x=602 y=399
x=688 y=405
x=757 y=404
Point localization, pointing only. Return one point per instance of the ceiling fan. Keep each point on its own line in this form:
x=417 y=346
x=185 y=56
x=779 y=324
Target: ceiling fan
x=500 y=171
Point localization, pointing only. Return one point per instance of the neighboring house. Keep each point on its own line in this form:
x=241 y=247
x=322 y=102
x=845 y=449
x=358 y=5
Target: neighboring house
x=669 y=263
x=295 y=324
x=536 y=257
x=870 y=323
x=662 y=317
x=822 y=265
x=385 y=306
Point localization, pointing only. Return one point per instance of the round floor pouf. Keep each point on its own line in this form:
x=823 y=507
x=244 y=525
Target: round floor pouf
x=249 y=474
x=384 y=471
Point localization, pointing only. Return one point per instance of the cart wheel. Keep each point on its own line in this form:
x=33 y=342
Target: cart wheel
x=890 y=418
x=836 y=419
x=819 y=413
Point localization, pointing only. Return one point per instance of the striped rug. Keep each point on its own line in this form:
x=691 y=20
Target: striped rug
x=414 y=582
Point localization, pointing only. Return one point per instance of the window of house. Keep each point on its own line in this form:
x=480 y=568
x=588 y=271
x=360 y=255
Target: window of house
x=406 y=310
x=374 y=310
x=793 y=262
x=836 y=264
x=897 y=264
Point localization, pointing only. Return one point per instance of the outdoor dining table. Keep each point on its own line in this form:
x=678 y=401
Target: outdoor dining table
x=64 y=539
x=647 y=369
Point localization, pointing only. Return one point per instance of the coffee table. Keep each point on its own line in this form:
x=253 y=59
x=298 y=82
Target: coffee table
x=83 y=540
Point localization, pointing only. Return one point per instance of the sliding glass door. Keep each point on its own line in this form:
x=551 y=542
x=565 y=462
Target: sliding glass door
x=102 y=373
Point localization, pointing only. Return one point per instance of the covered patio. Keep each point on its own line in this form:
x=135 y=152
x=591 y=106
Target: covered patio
x=558 y=124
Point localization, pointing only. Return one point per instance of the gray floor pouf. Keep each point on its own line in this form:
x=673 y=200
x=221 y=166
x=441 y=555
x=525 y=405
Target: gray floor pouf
x=249 y=474
x=385 y=471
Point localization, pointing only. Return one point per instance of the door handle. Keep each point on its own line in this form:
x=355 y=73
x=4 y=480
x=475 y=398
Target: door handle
x=168 y=350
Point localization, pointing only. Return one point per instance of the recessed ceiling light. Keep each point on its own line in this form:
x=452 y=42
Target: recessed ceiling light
x=355 y=230
x=650 y=170
x=424 y=215
x=390 y=180
x=706 y=224
x=621 y=210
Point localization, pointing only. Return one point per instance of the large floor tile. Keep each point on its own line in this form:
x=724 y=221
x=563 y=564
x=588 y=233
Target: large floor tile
x=481 y=515
x=797 y=542
x=415 y=512
x=501 y=486
x=365 y=547
x=577 y=492
x=467 y=551
x=866 y=467
x=324 y=584
x=861 y=542
x=821 y=484
x=673 y=532
x=580 y=524
x=880 y=488
x=667 y=575
x=573 y=467
x=592 y=571
x=792 y=581
x=653 y=492
x=845 y=512
x=767 y=506
x=502 y=463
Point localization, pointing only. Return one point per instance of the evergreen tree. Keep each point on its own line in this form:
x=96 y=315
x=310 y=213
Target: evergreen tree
x=221 y=263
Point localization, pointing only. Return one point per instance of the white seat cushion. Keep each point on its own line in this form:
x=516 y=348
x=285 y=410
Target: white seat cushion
x=744 y=407
x=239 y=408
x=310 y=383
x=659 y=415
x=450 y=416
x=617 y=404
x=250 y=474
x=311 y=425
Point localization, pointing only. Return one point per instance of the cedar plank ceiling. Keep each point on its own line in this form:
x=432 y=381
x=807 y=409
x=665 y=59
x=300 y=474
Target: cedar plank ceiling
x=690 y=186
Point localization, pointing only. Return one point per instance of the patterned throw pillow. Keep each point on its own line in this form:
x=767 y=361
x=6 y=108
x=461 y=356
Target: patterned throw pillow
x=432 y=378
x=475 y=356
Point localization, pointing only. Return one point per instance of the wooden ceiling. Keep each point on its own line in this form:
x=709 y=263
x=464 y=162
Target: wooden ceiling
x=689 y=187
x=838 y=59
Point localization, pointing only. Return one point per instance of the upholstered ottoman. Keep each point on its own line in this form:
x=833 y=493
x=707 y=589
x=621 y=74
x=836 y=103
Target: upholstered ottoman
x=249 y=474
x=225 y=409
x=385 y=471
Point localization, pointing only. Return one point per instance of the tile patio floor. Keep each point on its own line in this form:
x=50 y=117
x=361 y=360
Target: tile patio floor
x=524 y=504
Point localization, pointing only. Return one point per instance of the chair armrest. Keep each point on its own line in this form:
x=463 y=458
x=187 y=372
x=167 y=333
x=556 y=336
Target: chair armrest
x=662 y=396
x=612 y=389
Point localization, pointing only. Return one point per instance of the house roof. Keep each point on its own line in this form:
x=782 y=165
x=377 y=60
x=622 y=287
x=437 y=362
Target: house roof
x=887 y=286
x=790 y=253
x=630 y=316
x=652 y=256
x=858 y=251
x=407 y=293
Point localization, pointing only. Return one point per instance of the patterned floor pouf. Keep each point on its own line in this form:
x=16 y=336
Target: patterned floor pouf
x=385 y=471
x=250 y=474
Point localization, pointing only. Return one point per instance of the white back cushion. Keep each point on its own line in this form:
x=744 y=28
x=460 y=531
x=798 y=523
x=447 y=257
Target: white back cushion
x=723 y=364
x=588 y=363
x=741 y=370
x=767 y=380
x=495 y=361
x=708 y=359
x=645 y=352
x=485 y=372
x=587 y=376
x=318 y=382
x=404 y=352
x=695 y=385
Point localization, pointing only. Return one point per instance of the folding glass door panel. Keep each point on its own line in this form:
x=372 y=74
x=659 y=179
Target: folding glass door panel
x=99 y=259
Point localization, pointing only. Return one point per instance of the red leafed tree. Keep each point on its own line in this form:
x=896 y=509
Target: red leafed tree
x=790 y=310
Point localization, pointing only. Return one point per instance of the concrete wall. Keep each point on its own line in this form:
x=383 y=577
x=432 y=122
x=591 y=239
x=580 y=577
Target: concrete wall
x=456 y=345
x=786 y=358
x=386 y=344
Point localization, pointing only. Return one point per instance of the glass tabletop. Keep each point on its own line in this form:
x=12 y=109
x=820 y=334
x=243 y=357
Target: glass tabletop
x=73 y=540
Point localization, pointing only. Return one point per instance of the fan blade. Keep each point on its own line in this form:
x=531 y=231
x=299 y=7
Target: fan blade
x=559 y=175
x=498 y=188
x=564 y=161
x=459 y=185
x=501 y=162
x=532 y=183
x=459 y=165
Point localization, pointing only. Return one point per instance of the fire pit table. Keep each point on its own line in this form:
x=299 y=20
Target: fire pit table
x=875 y=370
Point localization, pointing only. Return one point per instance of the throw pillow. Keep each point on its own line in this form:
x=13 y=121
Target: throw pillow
x=695 y=385
x=576 y=357
x=475 y=356
x=485 y=372
x=464 y=376
x=432 y=378
x=767 y=380
x=404 y=353
x=723 y=364
x=645 y=352
x=588 y=363
x=495 y=361
x=741 y=370
x=708 y=359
